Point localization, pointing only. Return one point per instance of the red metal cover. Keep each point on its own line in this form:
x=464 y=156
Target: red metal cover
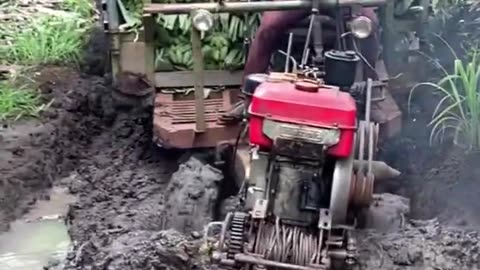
x=283 y=101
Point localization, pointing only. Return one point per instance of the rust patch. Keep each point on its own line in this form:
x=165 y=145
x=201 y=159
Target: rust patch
x=388 y=115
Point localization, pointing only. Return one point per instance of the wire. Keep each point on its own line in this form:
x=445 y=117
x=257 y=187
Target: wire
x=355 y=48
x=241 y=134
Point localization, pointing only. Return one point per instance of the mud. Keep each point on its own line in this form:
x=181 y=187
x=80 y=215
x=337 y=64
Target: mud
x=130 y=193
x=419 y=245
x=440 y=179
x=34 y=153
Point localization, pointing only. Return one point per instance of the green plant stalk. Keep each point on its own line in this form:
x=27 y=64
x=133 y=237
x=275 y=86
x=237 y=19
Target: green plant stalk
x=16 y=103
x=458 y=109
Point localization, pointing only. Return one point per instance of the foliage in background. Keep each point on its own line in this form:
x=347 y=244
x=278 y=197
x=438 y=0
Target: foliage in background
x=456 y=22
x=47 y=40
x=457 y=114
x=17 y=102
x=49 y=36
x=38 y=32
x=222 y=46
x=453 y=39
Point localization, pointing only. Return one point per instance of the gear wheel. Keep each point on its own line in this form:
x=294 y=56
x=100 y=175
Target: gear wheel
x=237 y=234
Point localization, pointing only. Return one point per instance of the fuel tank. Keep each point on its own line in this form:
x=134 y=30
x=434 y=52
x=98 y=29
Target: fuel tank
x=309 y=111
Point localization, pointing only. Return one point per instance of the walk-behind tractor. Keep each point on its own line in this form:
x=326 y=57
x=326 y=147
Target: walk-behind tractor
x=310 y=171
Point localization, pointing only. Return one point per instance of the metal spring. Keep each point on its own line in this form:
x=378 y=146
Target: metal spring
x=287 y=244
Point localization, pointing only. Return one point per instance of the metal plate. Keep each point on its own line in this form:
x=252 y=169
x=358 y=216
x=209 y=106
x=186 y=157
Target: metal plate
x=325 y=219
x=186 y=78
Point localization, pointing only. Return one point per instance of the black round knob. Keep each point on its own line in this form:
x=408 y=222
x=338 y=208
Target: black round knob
x=252 y=82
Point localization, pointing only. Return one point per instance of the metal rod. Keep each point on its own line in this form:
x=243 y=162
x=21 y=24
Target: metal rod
x=368 y=100
x=259 y=6
x=252 y=260
x=289 y=52
x=200 y=124
x=307 y=41
x=113 y=24
x=295 y=64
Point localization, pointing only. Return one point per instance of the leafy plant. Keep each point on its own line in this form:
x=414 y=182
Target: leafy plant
x=48 y=39
x=84 y=8
x=457 y=22
x=18 y=102
x=222 y=46
x=458 y=111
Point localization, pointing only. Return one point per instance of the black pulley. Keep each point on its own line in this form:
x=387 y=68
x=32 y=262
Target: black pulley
x=252 y=82
x=340 y=68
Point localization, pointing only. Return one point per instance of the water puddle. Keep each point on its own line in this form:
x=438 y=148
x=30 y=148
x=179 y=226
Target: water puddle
x=40 y=237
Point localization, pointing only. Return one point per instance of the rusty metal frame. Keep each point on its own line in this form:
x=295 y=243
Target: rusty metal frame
x=258 y=6
x=128 y=54
x=174 y=121
x=206 y=126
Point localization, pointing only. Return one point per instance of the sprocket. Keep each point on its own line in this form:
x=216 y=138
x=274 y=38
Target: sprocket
x=236 y=240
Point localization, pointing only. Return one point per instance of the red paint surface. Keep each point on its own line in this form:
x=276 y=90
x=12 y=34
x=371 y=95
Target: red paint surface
x=282 y=102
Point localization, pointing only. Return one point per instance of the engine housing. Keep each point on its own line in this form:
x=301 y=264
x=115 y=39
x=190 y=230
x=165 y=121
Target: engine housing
x=302 y=111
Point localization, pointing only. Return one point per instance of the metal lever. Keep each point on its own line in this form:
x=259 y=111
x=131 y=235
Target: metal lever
x=289 y=51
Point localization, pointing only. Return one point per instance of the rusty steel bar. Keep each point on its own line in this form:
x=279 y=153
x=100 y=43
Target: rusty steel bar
x=243 y=258
x=259 y=6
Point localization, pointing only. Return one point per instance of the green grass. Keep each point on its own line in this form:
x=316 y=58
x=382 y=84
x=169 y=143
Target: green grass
x=84 y=8
x=457 y=114
x=18 y=102
x=48 y=40
x=40 y=39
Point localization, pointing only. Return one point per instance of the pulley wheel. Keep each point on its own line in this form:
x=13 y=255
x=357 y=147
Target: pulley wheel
x=341 y=187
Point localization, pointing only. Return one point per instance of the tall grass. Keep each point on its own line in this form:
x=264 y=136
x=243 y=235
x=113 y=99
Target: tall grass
x=457 y=114
x=55 y=37
x=84 y=8
x=46 y=40
x=18 y=102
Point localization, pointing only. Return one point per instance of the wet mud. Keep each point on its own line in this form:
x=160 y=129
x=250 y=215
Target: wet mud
x=139 y=207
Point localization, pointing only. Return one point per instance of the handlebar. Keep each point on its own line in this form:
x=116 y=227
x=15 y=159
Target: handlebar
x=259 y=6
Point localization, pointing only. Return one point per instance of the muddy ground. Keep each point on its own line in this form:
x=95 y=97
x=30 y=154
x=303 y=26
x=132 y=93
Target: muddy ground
x=130 y=192
x=128 y=189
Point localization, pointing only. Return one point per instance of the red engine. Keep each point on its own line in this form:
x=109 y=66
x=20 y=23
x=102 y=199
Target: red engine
x=302 y=111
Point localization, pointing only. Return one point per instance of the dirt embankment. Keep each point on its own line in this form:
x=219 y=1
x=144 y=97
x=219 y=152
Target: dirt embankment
x=440 y=179
x=35 y=153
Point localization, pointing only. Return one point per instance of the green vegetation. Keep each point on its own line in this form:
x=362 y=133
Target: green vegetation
x=47 y=40
x=222 y=45
x=18 y=102
x=50 y=36
x=35 y=33
x=457 y=114
x=458 y=111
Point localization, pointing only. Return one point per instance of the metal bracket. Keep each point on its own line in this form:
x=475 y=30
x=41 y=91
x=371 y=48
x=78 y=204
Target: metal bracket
x=260 y=209
x=325 y=219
